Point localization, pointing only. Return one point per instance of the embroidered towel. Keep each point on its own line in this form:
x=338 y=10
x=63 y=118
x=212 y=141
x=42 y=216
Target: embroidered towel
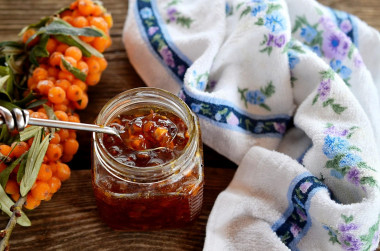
x=289 y=90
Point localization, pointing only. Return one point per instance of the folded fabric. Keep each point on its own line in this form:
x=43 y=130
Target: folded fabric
x=289 y=90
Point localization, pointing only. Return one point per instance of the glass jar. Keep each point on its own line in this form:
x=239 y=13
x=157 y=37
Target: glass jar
x=163 y=196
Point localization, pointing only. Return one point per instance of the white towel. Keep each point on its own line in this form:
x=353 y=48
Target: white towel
x=289 y=90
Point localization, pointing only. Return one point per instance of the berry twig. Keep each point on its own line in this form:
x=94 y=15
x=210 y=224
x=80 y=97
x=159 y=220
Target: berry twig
x=6 y=233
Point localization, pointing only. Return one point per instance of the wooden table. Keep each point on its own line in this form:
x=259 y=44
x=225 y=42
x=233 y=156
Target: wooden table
x=70 y=220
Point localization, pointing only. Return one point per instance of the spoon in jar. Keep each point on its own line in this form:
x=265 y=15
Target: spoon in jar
x=19 y=119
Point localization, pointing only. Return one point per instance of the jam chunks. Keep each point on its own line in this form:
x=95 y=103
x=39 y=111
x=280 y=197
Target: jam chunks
x=148 y=138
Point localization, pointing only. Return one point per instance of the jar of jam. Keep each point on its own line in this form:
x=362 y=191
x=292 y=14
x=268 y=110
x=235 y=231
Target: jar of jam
x=151 y=177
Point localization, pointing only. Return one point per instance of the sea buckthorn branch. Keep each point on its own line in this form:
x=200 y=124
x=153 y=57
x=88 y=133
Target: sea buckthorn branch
x=48 y=73
x=6 y=233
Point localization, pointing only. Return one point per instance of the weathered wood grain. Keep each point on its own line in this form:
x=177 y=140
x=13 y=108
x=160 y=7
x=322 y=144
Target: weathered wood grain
x=70 y=220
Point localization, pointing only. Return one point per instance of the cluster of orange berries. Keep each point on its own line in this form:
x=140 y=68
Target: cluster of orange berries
x=65 y=93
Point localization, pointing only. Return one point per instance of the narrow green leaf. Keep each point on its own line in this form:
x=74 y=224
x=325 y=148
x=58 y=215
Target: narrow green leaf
x=33 y=164
x=50 y=112
x=29 y=132
x=6 y=203
x=266 y=107
x=8 y=105
x=40 y=24
x=368 y=181
x=3 y=80
x=315 y=99
x=86 y=49
x=363 y=165
x=39 y=50
x=21 y=170
x=36 y=103
x=260 y=21
x=4 y=175
x=338 y=108
x=328 y=102
x=273 y=7
x=75 y=71
x=245 y=11
x=25 y=100
x=60 y=27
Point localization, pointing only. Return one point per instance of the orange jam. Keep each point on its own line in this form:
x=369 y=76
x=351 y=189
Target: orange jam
x=152 y=176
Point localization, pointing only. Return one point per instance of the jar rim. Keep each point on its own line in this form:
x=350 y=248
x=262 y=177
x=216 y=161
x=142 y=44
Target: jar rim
x=167 y=169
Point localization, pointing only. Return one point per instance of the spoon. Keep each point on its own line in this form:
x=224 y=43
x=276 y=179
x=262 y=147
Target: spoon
x=19 y=119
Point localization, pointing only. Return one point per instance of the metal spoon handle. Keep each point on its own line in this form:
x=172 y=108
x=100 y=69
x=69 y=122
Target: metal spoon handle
x=19 y=119
x=72 y=125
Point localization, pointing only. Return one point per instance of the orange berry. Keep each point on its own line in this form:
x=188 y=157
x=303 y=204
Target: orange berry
x=81 y=84
x=40 y=74
x=82 y=66
x=12 y=187
x=44 y=86
x=45 y=173
x=56 y=95
x=63 y=134
x=55 y=139
x=54 y=152
x=73 y=5
x=93 y=78
x=54 y=184
x=93 y=65
x=97 y=10
x=63 y=171
x=62 y=48
x=19 y=148
x=74 y=93
x=30 y=141
x=74 y=119
x=70 y=60
x=72 y=134
x=38 y=115
x=51 y=45
x=74 y=52
x=55 y=58
x=80 y=22
x=67 y=158
x=5 y=150
x=60 y=107
x=53 y=72
x=100 y=43
x=49 y=197
x=31 y=202
x=61 y=115
x=31 y=83
x=108 y=18
x=68 y=19
x=85 y=7
x=15 y=196
x=99 y=23
x=102 y=63
x=65 y=13
x=87 y=39
x=75 y=14
x=66 y=75
x=53 y=166
x=27 y=34
x=41 y=190
x=42 y=109
x=70 y=146
x=82 y=103
x=63 y=83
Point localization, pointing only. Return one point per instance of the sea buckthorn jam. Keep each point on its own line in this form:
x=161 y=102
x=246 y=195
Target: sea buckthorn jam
x=151 y=177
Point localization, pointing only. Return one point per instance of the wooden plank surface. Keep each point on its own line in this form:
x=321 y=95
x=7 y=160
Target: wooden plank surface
x=70 y=221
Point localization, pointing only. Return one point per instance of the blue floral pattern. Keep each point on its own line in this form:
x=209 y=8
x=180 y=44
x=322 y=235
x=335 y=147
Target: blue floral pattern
x=257 y=97
x=344 y=235
x=344 y=158
x=296 y=220
x=218 y=113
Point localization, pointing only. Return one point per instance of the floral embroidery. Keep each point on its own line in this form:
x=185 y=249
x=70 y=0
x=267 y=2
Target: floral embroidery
x=346 y=24
x=198 y=81
x=271 y=18
x=296 y=221
x=257 y=97
x=293 y=48
x=323 y=92
x=345 y=237
x=173 y=15
x=342 y=70
x=228 y=115
x=344 y=160
x=172 y=60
